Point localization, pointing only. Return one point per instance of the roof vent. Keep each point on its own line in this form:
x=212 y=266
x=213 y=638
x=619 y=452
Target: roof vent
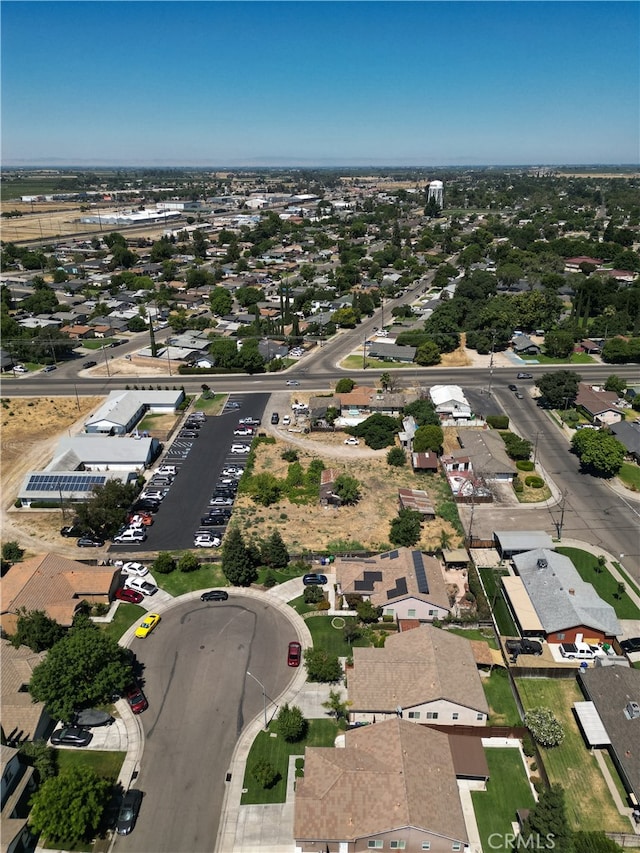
x=632 y=710
x=572 y=592
x=542 y=563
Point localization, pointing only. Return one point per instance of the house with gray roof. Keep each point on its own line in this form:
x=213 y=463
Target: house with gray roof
x=392 y=352
x=510 y=542
x=392 y=786
x=486 y=450
x=613 y=692
x=549 y=598
x=628 y=434
x=122 y=410
x=425 y=675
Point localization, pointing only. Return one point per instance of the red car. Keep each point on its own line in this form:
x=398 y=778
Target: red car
x=294 y=654
x=136 y=699
x=130 y=595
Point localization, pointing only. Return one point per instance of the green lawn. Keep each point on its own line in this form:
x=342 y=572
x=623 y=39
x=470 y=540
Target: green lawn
x=354 y=362
x=485 y=635
x=97 y=343
x=496 y=600
x=276 y=751
x=325 y=636
x=126 y=615
x=574 y=358
x=502 y=705
x=630 y=475
x=207 y=576
x=105 y=764
x=300 y=606
x=603 y=582
x=588 y=800
x=507 y=791
x=210 y=406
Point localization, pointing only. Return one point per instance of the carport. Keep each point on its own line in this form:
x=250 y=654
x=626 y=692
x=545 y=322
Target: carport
x=591 y=725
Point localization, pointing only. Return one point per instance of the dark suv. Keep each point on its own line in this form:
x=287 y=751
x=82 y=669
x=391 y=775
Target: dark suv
x=275 y=418
x=523 y=646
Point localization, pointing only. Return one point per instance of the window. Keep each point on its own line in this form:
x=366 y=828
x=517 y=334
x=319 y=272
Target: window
x=397 y=845
x=375 y=844
x=455 y=715
x=456 y=845
x=414 y=715
x=561 y=637
x=432 y=715
x=411 y=613
x=433 y=613
x=479 y=716
x=388 y=611
x=426 y=845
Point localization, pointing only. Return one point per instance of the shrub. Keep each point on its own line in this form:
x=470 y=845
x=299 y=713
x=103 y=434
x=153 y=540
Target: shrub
x=528 y=747
x=12 y=552
x=270 y=580
x=524 y=465
x=498 y=421
x=544 y=727
x=265 y=774
x=323 y=605
x=289 y=455
x=163 y=564
x=290 y=723
x=188 y=562
x=396 y=457
x=534 y=482
x=312 y=594
x=518 y=486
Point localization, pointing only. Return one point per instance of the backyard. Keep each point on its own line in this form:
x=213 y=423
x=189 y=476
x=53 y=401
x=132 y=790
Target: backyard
x=495 y=596
x=503 y=710
x=589 y=803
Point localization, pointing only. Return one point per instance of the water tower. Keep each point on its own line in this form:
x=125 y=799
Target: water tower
x=436 y=192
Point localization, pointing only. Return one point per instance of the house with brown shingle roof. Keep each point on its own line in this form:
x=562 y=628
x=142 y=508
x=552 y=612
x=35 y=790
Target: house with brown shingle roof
x=22 y=719
x=55 y=585
x=18 y=786
x=407 y=584
x=598 y=404
x=392 y=786
x=427 y=675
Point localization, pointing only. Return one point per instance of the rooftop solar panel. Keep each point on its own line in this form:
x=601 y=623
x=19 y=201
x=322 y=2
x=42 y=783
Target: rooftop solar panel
x=399 y=589
x=421 y=574
x=64 y=482
x=367 y=581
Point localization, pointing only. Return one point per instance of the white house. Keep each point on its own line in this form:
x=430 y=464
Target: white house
x=450 y=402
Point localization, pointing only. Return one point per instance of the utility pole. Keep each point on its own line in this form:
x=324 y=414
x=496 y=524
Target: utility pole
x=560 y=523
x=264 y=698
x=493 y=345
x=364 y=353
x=106 y=361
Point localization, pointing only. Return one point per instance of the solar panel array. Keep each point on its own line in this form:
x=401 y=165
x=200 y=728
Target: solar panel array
x=367 y=582
x=399 y=589
x=64 y=482
x=421 y=575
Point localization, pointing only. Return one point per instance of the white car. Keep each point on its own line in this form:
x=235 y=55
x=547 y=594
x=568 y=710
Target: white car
x=233 y=471
x=155 y=494
x=19 y=368
x=134 y=569
x=286 y=420
x=131 y=535
x=140 y=585
x=240 y=448
x=204 y=541
x=351 y=441
x=243 y=431
x=163 y=470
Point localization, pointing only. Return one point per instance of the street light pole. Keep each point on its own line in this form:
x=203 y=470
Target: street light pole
x=264 y=698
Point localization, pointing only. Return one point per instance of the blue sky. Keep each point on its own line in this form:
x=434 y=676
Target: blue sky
x=306 y=83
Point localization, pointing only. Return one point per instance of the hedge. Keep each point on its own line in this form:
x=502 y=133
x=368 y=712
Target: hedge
x=534 y=482
x=498 y=421
x=525 y=465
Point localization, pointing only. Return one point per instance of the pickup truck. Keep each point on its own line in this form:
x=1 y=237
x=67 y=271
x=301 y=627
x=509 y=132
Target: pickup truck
x=523 y=646
x=577 y=651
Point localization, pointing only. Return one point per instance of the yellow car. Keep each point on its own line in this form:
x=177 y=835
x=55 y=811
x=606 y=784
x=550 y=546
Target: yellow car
x=146 y=627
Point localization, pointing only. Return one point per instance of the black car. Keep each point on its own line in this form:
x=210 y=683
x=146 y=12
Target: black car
x=71 y=736
x=128 y=813
x=313 y=578
x=188 y=433
x=90 y=542
x=214 y=595
x=89 y=364
x=275 y=418
x=49 y=367
x=523 y=646
x=630 y=645
x=91 y=718
x=71 y=531
x=146 y=504
x=213 y=521
x=512 y=387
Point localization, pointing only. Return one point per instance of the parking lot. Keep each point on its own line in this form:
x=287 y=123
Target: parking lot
x=199 y=463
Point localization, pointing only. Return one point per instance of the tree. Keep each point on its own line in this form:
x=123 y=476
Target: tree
x=558 y=389
x=620 y=589
x=428 y=437
x=163 y=564
x=547 y=822
x=385 y=381
x=615 y=383
x=84 y=667
x=367 y=612
x=290 y=723
x=265 y=773
x=136 y=324
x=377 y=430
x=336 y=705
x=36 y=630
x=347 y=488
x=41 y=757
x=544 y=727
x=274 y=552
x=600 y=453
x=345 y=385
x=68 y=808
x=188 y=562
x=594 y=842
x=322 y=666
x=106 y=509
x=516 y=447
x=221 y=301
x=345 y=317
x=396 y=457
x=313 y=594
x=12 y=552
x=237 y=565
x=265 y=488
x=428 y=353
x=405 y=528
x=558 y=343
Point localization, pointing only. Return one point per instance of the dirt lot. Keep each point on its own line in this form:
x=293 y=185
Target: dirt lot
x=30 y=430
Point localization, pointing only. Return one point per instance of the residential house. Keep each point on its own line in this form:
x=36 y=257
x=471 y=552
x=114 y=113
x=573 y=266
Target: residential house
x=523 y=345
x=427 y=675
x=450 y=402
x=406 y=583
x=392 y=786
x=17 y=785
x=511 y=542
x=78 y=332
x=628 y=434
x=611 y=719
x=122 y=410
x=549 y=598
x=486 y=450
x=573 y=264
x=392 y=352
x=22 y=719
x=56 y=585
x=599 y=405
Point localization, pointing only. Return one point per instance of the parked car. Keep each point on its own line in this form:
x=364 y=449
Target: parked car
x=128 y=813
x=312 y=578
x=577 y=651
x=352 y=441
x=19 y=368
x=147 y=625
x=512 y=387
x=140 y=585
x=136 y=699
x=240 y=448
x=202 y=540
x=49 y=367
x=136 y=569
x=216 y=520
x=92 y=718
x=140 y=519
x=188 y=433
x=153 y=494
x=90 y=542
x=286 y=420
x=294 y=654
x=215 y=595
x=130 y=535
x=523 y=646
x=88 y=364
x=129 y=595
x=220 y=501
x=198 y=416
x=146 y=505
x=167 y=469
x=233 y=471
x=243 y=431
x=71 y=736
x=71 y=531
x=275 y=418
x=631 y=645
x=250 y=421
x=524 y=376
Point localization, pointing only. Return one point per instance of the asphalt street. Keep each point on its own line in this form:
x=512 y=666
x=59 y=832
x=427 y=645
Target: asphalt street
x=200 y=699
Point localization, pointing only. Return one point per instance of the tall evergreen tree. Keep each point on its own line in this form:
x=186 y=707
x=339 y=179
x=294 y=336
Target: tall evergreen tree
x=548 y=822
x=237 y=565
x=274 y=552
